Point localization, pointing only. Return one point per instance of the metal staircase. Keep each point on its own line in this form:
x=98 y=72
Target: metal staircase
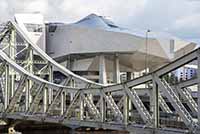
x=139 y=105
x=176 y=103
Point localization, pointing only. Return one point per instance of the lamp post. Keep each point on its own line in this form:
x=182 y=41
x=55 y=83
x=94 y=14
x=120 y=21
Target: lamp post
x=146 y=51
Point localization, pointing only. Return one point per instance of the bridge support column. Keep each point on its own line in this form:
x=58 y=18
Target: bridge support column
x=151 y=97
x=72 y=84
x=126 y=110
x=155 y=104
x=198 y=78
x=81 y=107
x=30 y=83
x=63 y=102
x=130 y=76
x=102 y=109
x=12 y=56
x=102 y=70
x=45 y=90
x=116 y=69
x=27 y=97
x=50 y=91
x=7 y=87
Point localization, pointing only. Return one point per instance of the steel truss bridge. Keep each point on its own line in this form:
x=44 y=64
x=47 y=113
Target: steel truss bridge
x=29 y=93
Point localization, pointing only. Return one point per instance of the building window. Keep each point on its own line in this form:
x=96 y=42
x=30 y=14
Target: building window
x=52 y=28
x=33 y=27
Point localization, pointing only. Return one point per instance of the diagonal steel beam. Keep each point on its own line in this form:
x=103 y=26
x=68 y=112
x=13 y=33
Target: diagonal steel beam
x=17 y=94
x=176 y=103
x=163 y=105
x=186 y=95
x=36 y=99
x=112 y=104
x=144 y=113
x=91 y=106
x=60 y=90
x=70 y=108
x=121 y=101
x=2 y=68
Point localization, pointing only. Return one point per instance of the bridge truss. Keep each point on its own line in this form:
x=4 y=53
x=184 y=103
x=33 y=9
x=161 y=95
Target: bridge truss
x=30 y=92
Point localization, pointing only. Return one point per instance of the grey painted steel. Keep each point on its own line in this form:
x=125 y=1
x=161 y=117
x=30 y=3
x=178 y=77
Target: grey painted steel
x=139 y=105
x=164 y=105
x=49 y=59
x=171 y=95
x=82 y=96
x=186 y=95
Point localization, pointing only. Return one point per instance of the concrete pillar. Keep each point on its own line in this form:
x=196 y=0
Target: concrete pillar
x=116 y=69
x=102 y=70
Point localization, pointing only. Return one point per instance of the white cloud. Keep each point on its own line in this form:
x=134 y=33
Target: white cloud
x=3 y=8
x=37 y=6
x=191 y=21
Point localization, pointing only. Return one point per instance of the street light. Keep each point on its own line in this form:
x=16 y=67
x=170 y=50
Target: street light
x=146 y=50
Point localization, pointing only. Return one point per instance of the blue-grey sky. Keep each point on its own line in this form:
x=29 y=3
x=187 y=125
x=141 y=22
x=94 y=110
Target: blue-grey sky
x=179 y=17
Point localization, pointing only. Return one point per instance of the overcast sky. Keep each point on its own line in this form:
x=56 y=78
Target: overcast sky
x=179 y=17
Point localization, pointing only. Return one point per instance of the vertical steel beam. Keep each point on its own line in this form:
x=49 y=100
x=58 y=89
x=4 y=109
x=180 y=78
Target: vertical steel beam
x=63 y=102
x=102 y=108
x=81 y=106
x=198 y=79
x=45 y=99
x=7 y=87
x=126 y=109
x=50 y=91
x=155 y=104
x=31 y=58
x=27 y=97
x=29 y=83
x=12 y=56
